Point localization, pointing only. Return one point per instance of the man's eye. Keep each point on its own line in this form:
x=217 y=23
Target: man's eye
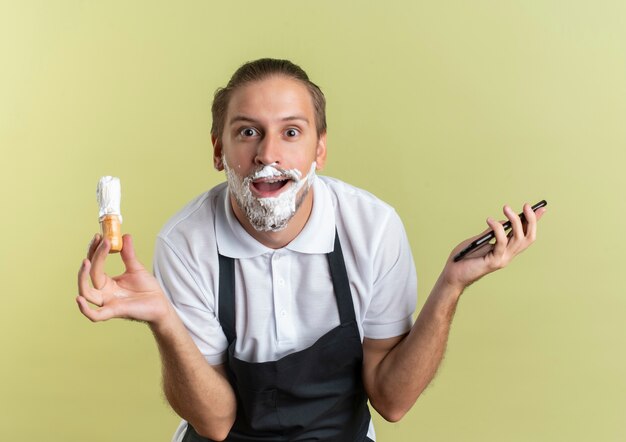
x=248 y=132
x=291 y=133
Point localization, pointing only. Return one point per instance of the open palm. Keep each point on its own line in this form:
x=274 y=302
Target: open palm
x=135 y=294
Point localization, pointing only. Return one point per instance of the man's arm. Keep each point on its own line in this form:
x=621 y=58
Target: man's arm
x=397 y=370
x=198 y=392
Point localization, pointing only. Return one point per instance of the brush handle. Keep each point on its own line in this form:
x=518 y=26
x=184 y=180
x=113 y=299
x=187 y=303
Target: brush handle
x=112 y=230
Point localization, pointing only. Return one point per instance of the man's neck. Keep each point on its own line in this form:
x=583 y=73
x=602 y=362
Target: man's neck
x=278 y=239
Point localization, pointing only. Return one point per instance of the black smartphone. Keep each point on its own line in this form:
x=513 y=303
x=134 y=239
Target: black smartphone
x=491 y=235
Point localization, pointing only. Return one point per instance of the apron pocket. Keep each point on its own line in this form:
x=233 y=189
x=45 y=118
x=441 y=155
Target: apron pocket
x=259 y=408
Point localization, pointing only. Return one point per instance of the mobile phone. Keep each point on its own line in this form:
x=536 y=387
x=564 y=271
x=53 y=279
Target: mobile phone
x=491 y=235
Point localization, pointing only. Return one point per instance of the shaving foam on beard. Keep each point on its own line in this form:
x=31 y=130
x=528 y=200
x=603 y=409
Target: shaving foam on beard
x=269 y=214
x=109 y=196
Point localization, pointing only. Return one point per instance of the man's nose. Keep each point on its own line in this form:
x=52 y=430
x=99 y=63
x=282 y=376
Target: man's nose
x=268 y=151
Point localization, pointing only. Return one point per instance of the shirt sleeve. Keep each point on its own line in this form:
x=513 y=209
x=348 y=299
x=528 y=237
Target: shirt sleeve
x=394 y=283
x=192 y=300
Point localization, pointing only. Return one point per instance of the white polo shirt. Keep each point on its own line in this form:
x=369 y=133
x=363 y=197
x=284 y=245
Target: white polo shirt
x=284 y=297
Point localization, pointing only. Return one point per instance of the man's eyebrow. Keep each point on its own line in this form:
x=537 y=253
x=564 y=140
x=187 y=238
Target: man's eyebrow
x=243 y=118
x=296 y=117
x=246 y=119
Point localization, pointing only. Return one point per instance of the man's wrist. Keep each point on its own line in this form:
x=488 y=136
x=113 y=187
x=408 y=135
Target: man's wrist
x=448 y=288
x=166 y=322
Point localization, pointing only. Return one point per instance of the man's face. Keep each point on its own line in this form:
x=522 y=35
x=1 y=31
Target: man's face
x=270 y=150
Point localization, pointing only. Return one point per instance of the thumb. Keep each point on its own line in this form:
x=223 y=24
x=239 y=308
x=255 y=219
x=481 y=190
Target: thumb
x=128 y=255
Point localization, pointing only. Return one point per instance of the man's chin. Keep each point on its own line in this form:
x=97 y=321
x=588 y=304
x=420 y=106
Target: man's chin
x=272 y=215
x=267 y=222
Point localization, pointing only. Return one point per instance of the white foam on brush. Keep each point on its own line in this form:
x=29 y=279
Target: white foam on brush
x=109 y=195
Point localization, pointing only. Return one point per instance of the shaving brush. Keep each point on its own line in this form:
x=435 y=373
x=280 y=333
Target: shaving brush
x=109 y=195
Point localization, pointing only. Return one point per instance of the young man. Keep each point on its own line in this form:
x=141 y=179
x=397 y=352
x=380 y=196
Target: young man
x=282 y=301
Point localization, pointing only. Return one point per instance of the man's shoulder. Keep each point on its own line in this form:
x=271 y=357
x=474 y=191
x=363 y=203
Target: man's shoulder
x=198 y=214
x=361 y=217
x=347 y=197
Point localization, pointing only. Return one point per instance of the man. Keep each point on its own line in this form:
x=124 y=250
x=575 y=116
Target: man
x=282 y=301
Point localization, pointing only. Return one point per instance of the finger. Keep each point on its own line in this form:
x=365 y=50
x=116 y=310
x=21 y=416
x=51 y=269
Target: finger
x=93 y=244
x=84 y=289
x=94 y=315
x=539 y=212
x=516 y=222
x=501 y=239
x=531 y=223
x=128 y=254
x=98 y=277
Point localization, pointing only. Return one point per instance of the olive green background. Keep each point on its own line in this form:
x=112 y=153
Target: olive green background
x=446 y=110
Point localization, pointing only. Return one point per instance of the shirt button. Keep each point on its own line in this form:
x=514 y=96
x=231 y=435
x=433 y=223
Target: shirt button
x=283 y=313
x=281 y=282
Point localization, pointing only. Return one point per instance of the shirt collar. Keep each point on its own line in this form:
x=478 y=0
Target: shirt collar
x=317 y=236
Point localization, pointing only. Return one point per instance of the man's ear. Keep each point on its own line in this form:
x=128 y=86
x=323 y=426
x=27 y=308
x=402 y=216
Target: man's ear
x=320 y=153
x=218 y=162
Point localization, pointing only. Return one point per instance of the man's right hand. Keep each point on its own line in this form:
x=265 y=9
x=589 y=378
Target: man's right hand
x=135 y=294
x=201 y=394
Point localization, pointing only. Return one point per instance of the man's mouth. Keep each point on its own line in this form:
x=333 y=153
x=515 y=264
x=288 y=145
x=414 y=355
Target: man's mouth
x=270 y=186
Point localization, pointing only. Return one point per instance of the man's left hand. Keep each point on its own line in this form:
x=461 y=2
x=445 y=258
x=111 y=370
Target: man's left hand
x=493 y=256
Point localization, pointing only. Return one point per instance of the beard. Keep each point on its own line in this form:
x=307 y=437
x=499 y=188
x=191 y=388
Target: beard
x=270 y=214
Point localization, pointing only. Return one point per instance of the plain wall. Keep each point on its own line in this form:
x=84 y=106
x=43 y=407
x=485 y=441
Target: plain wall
x=446 y=110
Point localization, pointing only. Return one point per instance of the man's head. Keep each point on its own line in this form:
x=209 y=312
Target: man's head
x=270 y=138
x=260 y=70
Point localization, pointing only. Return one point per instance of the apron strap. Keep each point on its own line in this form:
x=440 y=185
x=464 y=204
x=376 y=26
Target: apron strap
x=338 y=273
x=227 y=297
x=341 y=283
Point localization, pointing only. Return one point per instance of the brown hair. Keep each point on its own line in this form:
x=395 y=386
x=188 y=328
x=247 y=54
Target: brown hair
x=259 y=70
